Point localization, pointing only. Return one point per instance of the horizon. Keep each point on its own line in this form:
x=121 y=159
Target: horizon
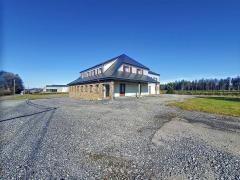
x=51 y=42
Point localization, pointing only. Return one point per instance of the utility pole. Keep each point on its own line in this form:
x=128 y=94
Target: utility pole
x=13 y=86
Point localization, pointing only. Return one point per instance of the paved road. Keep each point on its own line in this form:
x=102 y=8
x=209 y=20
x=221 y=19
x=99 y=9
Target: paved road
x=126 y=138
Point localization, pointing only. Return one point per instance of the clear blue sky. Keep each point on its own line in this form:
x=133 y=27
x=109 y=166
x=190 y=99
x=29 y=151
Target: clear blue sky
x=51 y=41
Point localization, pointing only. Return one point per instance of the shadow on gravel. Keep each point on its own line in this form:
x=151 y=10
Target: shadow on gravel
x=37 y=146
x=26 y=115
x=25 y=171
x=158 y=122
x=214 y=123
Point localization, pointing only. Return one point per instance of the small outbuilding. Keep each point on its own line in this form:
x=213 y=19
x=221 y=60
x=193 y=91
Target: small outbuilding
x=56 y=88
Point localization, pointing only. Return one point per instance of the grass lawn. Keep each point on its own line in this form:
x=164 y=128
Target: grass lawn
x=34 y=96
x=217 y=105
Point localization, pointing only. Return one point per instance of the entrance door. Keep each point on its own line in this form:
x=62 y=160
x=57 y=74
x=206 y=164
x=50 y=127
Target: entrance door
x=122 y=89
x=107 y=89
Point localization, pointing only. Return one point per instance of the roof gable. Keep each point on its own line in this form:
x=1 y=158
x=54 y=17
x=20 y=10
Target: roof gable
x=123 y=59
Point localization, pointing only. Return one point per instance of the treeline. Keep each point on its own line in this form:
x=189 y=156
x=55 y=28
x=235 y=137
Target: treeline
x=229 y=84
x=7 y=80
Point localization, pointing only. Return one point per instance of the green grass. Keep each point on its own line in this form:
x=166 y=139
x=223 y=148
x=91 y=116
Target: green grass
x=217 y=105
x=34 y=96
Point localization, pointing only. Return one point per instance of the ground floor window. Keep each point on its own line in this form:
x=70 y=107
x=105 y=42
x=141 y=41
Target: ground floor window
x=91 y=88
x=97 y=86
x=122 y=89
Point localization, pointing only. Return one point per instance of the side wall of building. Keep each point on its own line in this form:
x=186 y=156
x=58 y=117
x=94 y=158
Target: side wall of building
x=153 y=88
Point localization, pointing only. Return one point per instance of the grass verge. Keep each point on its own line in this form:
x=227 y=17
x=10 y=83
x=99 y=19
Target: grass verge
x=217 y=105
x=34 y=96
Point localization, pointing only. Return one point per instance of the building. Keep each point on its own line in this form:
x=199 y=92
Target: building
x=56 y=88
x=119 y=76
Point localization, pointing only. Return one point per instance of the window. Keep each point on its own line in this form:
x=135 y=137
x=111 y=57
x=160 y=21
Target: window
x=97 y=86
x=91 y=86
x=130 y=69
x=139 y=71
x=100 y=70
x=88 y=74
x=94 y=72
x=125 y=68
x=85 y=88
x=97 y=71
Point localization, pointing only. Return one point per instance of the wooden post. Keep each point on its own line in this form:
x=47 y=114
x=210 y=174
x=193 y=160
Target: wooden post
x=112 y=89
x=13 y=86
x=139 y=88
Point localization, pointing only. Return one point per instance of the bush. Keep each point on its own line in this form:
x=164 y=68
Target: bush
x=170 y=91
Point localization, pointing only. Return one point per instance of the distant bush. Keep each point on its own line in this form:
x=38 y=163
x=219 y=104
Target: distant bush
x=170 y=88
x=170 y=91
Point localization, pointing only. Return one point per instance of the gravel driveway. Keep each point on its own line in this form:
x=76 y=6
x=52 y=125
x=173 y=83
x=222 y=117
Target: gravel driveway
x=126 y=138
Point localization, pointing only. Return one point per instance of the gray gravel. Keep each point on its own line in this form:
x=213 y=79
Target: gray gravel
x=126 y=138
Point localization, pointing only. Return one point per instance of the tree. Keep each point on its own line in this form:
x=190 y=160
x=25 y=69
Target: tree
x=205 y=84
x=7 y=83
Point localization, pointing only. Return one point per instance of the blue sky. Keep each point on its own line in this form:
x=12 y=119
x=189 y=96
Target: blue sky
x=51 y=41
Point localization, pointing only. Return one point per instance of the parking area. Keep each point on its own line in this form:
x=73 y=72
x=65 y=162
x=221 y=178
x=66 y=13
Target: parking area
x=126 y=138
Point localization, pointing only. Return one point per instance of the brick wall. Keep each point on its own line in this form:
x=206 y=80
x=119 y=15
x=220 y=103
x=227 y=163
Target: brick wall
x=90 y=91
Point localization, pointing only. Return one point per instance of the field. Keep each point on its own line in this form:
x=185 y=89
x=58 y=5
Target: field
x=218 y=105
x=34 y=96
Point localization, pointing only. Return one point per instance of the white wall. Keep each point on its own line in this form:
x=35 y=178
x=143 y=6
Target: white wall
x=106 y=66
x=64 y=89
x=154 y=88
x=131 y=89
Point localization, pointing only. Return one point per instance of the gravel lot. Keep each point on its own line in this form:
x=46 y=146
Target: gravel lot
x=126 y=138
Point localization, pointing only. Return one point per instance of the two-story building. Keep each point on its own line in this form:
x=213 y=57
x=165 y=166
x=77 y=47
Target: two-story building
x=119 y=76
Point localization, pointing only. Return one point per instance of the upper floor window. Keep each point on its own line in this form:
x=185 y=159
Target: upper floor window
x=94 y=72
x=125 y=68
x=97 y=71
x=100 y=70
x=139 y=71
x=88 y=74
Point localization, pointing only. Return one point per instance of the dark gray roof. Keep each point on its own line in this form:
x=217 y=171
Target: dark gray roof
x=56 y=85
x=124 y=59
x=151 y=72
x=112 y=73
